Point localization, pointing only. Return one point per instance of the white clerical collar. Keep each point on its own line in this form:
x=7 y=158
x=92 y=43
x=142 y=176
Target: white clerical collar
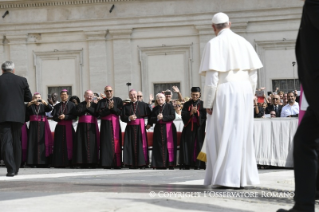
x=223 y=30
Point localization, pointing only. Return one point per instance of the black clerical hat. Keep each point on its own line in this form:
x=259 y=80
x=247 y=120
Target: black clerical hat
x=195 y=89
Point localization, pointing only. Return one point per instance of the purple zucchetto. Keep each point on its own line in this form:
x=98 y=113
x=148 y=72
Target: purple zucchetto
x=64 y=90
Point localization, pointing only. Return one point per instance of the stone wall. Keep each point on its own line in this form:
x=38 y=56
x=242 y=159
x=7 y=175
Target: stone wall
x=79 y=43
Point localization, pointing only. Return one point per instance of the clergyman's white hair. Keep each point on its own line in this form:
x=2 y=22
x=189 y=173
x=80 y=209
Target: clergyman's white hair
x=160 y=94
x=7 y=66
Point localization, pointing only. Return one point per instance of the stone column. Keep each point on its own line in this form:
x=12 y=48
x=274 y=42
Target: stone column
x=97 y=60
x=122 y=59
x=18 y=53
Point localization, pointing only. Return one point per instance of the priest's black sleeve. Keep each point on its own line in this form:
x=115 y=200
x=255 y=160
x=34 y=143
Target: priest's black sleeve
x=124 y=117
x=72 y=113
x=170 y=116
x=47 y=108
x=186 y=116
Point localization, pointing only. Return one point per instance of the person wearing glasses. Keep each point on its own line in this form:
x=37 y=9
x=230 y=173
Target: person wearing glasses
x=272 y=114
x=275 y=105
x=109 y=109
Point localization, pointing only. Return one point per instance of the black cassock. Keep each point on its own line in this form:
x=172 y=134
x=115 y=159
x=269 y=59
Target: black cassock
x=63 y=134
x=193 y=135
x=36 y=148
x=85 y=145
x=135 y=144
x=164 y=152
x=111 y=136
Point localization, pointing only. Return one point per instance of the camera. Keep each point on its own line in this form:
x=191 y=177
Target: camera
x=167 y=93
x=39 y=100
x=128 y=84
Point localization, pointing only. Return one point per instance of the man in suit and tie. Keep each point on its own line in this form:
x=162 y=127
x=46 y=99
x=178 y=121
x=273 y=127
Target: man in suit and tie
x=275 y=106
x=14 y=91
x=306 y=140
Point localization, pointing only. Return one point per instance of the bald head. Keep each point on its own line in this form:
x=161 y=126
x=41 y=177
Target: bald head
x=108 y=92
x=88 y=96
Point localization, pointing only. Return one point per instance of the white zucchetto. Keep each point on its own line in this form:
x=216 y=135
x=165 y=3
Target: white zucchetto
x=220 y=18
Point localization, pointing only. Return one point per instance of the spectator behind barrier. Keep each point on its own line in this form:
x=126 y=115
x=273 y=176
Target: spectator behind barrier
x=178 y=110
x=292 y=108
x=258 y=110
x=272 y=114
x=276 y=107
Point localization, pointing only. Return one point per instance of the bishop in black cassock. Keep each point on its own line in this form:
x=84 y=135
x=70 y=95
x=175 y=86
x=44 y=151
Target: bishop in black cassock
x=164 y=135
x=87 y=138
x=63 y=113
x=109 y=110
x=40 y=139
x=194 y=119
x=135 y=138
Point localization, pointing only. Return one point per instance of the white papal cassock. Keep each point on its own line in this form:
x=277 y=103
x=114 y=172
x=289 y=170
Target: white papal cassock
x=229 y=65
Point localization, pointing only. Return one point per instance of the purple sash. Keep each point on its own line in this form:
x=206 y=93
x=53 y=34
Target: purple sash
x=301 y=112
x=69 y=136
x=24 y=142
x=170 y=139
x=116 y=133
x=141 y=122
x=47 y=133
x=92 y=120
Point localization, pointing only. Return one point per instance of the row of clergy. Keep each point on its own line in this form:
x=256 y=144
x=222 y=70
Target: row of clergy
x=89 y=146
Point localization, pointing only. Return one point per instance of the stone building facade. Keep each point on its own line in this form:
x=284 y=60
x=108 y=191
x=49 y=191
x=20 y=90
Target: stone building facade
x=87 y=44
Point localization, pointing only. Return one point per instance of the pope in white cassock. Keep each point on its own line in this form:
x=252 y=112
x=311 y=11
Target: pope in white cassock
x=229 y=65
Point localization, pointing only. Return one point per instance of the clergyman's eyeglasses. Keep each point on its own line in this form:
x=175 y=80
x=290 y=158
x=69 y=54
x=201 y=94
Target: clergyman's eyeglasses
x=108 y=91
x=274 y=98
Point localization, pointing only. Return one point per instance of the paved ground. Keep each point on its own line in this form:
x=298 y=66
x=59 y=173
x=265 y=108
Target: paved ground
x=36 y=189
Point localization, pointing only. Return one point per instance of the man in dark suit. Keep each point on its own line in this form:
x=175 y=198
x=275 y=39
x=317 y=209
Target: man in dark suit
x=306 y=140
x=14 y=91
x=275 y=106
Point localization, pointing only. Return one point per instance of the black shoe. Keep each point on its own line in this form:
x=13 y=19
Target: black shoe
x=16 y=173
x=10 y=174
x=196 y=168
x=117 y=167
x=171 y=168
x=186 y=168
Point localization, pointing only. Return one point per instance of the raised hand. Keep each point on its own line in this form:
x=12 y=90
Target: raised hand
x=175 y=89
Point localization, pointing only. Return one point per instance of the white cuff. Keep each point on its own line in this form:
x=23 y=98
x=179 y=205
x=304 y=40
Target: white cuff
x=209 y=96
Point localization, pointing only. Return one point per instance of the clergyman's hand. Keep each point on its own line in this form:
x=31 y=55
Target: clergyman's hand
x=209 y=111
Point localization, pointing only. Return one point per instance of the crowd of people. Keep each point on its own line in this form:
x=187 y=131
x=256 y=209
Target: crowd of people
x=277 y=104
x=91 y=146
